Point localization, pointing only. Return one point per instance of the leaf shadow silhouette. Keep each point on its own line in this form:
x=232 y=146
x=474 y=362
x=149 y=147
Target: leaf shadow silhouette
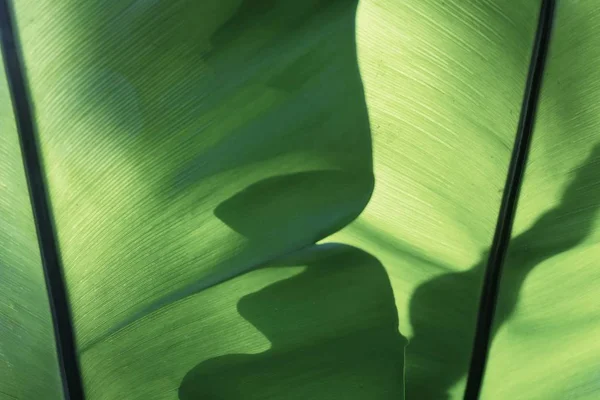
x=333 y=330
x=313 y=65
x=334 y=327
x=436 y=360
x=298 y=202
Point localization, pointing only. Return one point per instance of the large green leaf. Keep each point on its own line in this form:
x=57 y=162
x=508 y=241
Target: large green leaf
x=197 y=150
x=444 y=93
x=182 y=154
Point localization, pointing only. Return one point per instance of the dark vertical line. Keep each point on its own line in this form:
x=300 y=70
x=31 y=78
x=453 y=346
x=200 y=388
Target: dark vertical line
x=516 y=169
x=55 y=285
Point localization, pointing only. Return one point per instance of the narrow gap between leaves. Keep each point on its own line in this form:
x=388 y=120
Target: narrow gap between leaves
x=42 y=213
x=506 y=216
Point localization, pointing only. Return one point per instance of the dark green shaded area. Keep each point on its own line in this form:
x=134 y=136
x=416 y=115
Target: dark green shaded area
x=294 y=202
x=333 y=330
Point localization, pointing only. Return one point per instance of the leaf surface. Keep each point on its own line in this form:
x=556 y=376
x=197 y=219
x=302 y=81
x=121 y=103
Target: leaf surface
x=196 y=151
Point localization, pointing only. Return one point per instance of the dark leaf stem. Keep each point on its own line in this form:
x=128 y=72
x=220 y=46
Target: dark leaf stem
x=42 y=211
x=500 y=243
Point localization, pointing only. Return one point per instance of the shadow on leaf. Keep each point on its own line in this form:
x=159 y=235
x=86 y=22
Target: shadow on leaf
x=333 y=331
x=333 y=328
x=296 y=203
x=443 y=310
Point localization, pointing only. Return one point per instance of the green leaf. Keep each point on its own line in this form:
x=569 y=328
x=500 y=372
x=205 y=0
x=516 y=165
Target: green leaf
x=444 y=93
x=181 y=155
x=196 y=151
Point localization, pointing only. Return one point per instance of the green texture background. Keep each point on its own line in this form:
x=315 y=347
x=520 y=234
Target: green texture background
x=196 y=152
